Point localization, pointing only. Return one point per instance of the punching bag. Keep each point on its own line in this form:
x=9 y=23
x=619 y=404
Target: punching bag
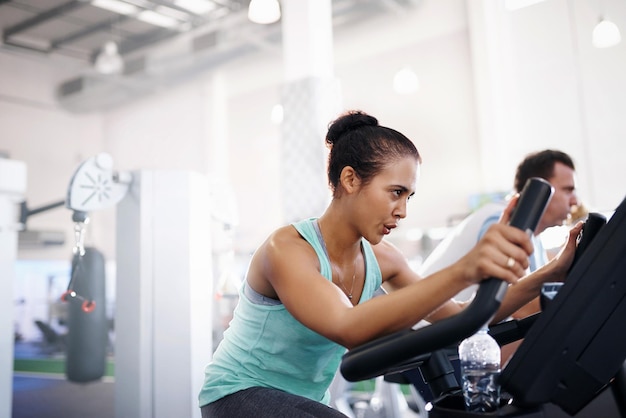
x=87 y=336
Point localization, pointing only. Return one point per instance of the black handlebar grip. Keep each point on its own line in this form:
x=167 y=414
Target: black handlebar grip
x=382 y=355
x=532 y=203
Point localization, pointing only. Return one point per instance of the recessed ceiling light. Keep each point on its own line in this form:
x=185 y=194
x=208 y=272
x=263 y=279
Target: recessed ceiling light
x=199 y=7
x=157 y=19
x=116 y=6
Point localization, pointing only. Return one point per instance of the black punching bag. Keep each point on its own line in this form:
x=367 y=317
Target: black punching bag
x=87 y=323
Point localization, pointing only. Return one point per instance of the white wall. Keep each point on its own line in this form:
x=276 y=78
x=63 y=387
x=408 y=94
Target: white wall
x=482 y=105
x=545 y=85
x=439 y=118
x=51 y=141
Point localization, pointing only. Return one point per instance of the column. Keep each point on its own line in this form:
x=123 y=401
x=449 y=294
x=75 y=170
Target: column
x=12 y=189
x=310 y=99
x=163 y=295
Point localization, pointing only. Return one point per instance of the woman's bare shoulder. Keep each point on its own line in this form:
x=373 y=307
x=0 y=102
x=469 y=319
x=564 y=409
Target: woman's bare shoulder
x=283 y=236
x=283 y=242
x=283 y=251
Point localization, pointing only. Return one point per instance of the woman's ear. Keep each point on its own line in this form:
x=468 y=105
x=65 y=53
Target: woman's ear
x=349 y=179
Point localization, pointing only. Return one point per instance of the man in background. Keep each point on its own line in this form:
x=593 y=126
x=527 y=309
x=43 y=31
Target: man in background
x=554 y=166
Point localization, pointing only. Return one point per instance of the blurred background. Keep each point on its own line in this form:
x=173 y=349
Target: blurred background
x=200 y=87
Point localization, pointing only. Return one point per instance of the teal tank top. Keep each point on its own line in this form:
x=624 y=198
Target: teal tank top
x=265 y=346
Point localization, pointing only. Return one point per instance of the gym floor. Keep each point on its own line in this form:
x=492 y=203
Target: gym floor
x=49 y=394
x=40 y=388
x=36 y=396
x=52 y=396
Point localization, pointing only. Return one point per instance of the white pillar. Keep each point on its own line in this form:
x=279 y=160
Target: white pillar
x=310 y=99
x=163 y=295
x=12 y=189
x=492 y=78
x=307 y=39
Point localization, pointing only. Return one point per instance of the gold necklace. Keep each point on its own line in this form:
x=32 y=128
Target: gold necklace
x=333 y=267
x=349 y=294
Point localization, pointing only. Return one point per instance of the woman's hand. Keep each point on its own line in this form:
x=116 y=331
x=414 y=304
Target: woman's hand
x=502 y=252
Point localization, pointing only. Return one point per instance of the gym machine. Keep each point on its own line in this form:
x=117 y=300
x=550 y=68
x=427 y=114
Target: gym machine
x=164 y=281
x=572 y=352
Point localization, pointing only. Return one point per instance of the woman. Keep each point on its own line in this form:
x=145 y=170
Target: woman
x=308 y=291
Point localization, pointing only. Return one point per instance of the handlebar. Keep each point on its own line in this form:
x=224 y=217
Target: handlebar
x=380 y=356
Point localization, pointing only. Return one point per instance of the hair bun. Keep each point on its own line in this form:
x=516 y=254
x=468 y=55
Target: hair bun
x=348 y=122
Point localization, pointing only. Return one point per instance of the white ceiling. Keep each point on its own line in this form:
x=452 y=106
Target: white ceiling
x=79 y=29
x=71 y=33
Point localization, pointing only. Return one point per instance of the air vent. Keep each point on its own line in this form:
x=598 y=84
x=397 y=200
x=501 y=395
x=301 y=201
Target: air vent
x=71 y=86
x=205 y=41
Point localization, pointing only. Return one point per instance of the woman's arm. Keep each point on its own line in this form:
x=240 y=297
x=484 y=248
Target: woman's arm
x=524 y=293
x=529 y=287
x=292 y=269
x=490 y=256
x=289 y=267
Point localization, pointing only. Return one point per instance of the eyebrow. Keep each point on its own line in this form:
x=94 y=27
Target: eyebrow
x=404 y=189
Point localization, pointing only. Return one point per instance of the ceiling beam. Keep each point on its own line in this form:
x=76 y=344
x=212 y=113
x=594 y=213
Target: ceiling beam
x=41 y=18
x=106 y=26
x=135 y=42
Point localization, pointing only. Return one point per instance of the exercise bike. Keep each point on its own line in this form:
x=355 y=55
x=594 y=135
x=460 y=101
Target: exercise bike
x=572 y=352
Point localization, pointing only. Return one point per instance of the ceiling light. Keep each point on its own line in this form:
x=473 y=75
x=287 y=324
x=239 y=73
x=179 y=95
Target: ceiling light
x=179 y=15
x=405 y=81
x=198 y=7
x=109 y=60
x=116 y=6
x=157 y=19
x=605 y=34
x=264 y=11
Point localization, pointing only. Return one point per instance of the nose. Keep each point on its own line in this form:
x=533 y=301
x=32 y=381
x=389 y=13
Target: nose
x=400 y=210
x=574 y=199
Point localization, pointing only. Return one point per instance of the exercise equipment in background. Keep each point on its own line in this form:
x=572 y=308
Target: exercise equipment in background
x=87 y=337
x=94 y=186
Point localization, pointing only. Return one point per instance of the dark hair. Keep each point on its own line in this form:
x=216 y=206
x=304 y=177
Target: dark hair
x=540 y=164
x=357 y=140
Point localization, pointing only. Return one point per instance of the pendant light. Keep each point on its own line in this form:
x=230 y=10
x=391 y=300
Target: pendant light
x=264 y=11
x=605 y=34
x=109 y=61
x=405 y=81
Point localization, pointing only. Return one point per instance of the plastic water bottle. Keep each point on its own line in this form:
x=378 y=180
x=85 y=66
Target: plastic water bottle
x=480 y=369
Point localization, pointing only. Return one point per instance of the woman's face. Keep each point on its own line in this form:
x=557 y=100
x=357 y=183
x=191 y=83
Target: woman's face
x=381 y=203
